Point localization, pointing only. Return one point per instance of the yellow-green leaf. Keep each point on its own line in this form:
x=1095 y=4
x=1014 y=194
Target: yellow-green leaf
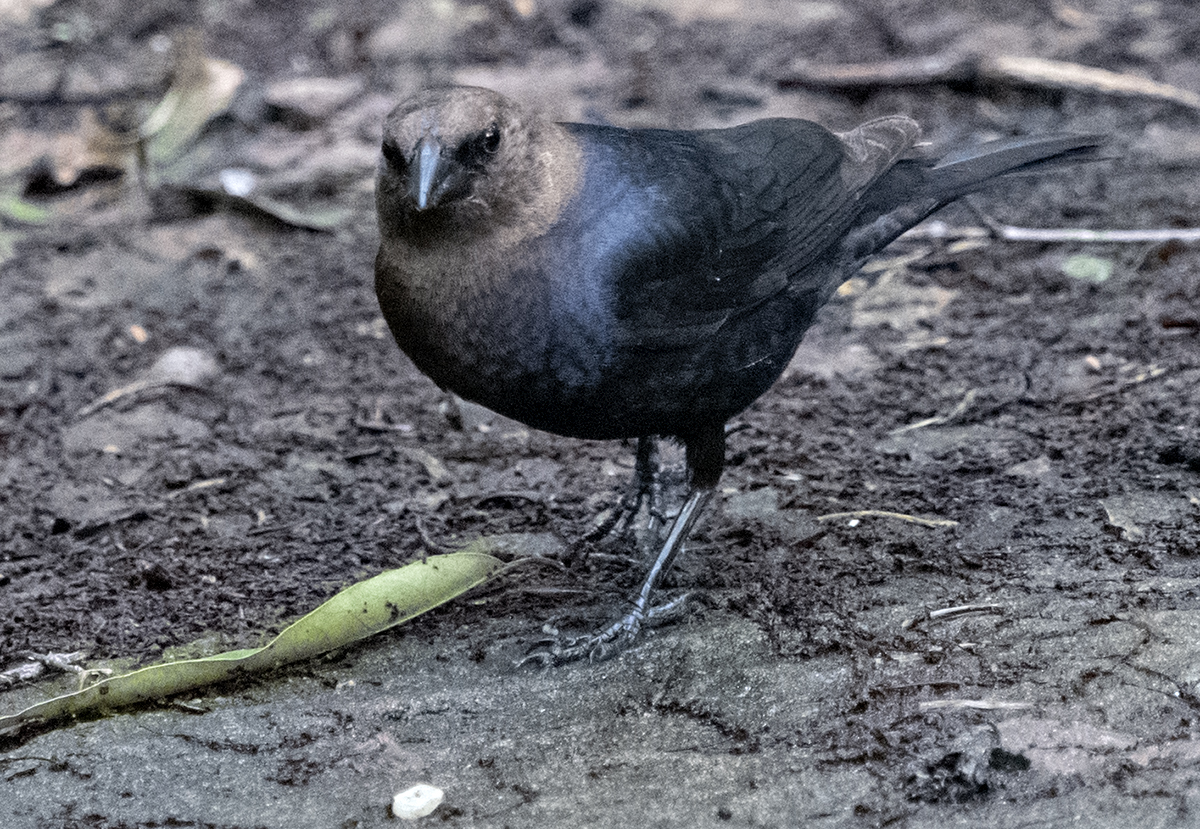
x=1086 y=268
x=359 y=611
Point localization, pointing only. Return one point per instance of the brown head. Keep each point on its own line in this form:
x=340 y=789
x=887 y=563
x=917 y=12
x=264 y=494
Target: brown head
x=465 y=161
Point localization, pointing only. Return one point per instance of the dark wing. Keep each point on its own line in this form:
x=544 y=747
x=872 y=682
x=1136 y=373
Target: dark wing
x=693 y=228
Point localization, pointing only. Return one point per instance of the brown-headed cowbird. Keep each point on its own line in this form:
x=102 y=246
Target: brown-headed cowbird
x=600 y=282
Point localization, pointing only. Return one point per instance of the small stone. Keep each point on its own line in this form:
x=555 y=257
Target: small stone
x=417 y=802
x=183 y=366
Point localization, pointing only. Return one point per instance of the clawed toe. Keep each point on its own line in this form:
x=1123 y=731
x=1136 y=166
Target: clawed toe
x=595 y=648
x=557 y=650
x=612 y=639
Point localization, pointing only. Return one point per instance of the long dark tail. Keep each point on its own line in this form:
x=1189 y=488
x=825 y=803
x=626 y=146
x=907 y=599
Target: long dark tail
x=970 y=168
x=913 y=188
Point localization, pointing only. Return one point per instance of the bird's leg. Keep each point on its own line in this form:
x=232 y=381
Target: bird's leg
x=705 y=460
x=608 y=641
x=645 y=487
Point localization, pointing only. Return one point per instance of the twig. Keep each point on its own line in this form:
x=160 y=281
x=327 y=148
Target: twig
x=1057 y=74
x=196 y=486
x=1012 y=233
x=556 y=592
x=179 y=366
x=1012 y=70
x=963 y=609
x=39 y=663
x=1149 y=373
x=116 y=394
x=876 y=513
x=938 y=420
x=1113 y=236
x=975 y=704
x=951 y=612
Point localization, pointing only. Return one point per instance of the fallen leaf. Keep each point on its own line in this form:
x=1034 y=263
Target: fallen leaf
x=1085 y=268
x=359 y=611
x=202 y=89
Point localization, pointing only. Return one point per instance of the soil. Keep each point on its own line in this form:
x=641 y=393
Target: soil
x=1038 y=403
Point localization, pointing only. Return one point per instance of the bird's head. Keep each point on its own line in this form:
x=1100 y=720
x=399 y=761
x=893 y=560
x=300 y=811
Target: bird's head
x=462 y=158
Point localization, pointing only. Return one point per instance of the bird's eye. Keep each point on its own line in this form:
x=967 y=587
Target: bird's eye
x=393 y=155
x=491 y=139
x=476 y=151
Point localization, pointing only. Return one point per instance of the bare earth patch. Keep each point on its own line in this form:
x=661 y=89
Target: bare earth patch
x=1026 y=656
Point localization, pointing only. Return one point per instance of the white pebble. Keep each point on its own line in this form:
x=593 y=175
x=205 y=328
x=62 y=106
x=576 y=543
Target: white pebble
x=183 y=366
x=417 y=802
x=237 y=182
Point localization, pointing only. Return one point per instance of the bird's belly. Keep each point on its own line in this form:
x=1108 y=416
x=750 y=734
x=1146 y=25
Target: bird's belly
x=555 y=381
x=516 y=357
x=572 y=369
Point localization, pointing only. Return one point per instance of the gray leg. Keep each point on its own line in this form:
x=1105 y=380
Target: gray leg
x=645 y=487
x=610 y=640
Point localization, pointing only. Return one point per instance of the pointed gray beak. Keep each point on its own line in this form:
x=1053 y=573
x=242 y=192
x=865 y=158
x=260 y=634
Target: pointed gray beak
x=428 y=157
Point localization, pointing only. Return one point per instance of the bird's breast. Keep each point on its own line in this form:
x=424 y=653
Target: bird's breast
x=533 y=345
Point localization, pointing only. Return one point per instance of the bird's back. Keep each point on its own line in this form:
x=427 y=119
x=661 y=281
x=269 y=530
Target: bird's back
x=691 y=263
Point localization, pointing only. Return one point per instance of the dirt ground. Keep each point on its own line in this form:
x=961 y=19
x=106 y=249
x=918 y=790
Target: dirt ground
x=1044 y=397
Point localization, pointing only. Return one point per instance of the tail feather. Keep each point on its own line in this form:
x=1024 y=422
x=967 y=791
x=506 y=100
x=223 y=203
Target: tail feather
x=914 y=188
x=969 y=168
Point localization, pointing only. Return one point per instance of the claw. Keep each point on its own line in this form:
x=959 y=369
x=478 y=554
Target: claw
x=604 y=644
x=667 y=611
x=644 y=488
x=614 y=638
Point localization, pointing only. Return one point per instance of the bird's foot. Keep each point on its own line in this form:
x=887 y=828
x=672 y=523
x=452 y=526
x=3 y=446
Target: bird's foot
x=609 y=641
x=618 y=520
x=644 y=488
x=604 y=644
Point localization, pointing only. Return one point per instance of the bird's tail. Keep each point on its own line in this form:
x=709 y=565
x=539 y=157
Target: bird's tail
x=970 y=168
x=915 y=188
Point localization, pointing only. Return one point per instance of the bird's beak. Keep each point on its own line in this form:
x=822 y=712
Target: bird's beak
x=425 y=174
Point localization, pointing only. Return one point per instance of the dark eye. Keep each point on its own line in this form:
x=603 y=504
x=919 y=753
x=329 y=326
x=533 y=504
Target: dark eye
x=491 y=139
x=476 y=151
x=393 y=155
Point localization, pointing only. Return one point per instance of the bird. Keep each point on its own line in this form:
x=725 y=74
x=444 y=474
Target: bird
x=601 y=282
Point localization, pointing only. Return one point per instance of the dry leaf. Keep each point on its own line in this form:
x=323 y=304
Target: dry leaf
x=203 y=88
